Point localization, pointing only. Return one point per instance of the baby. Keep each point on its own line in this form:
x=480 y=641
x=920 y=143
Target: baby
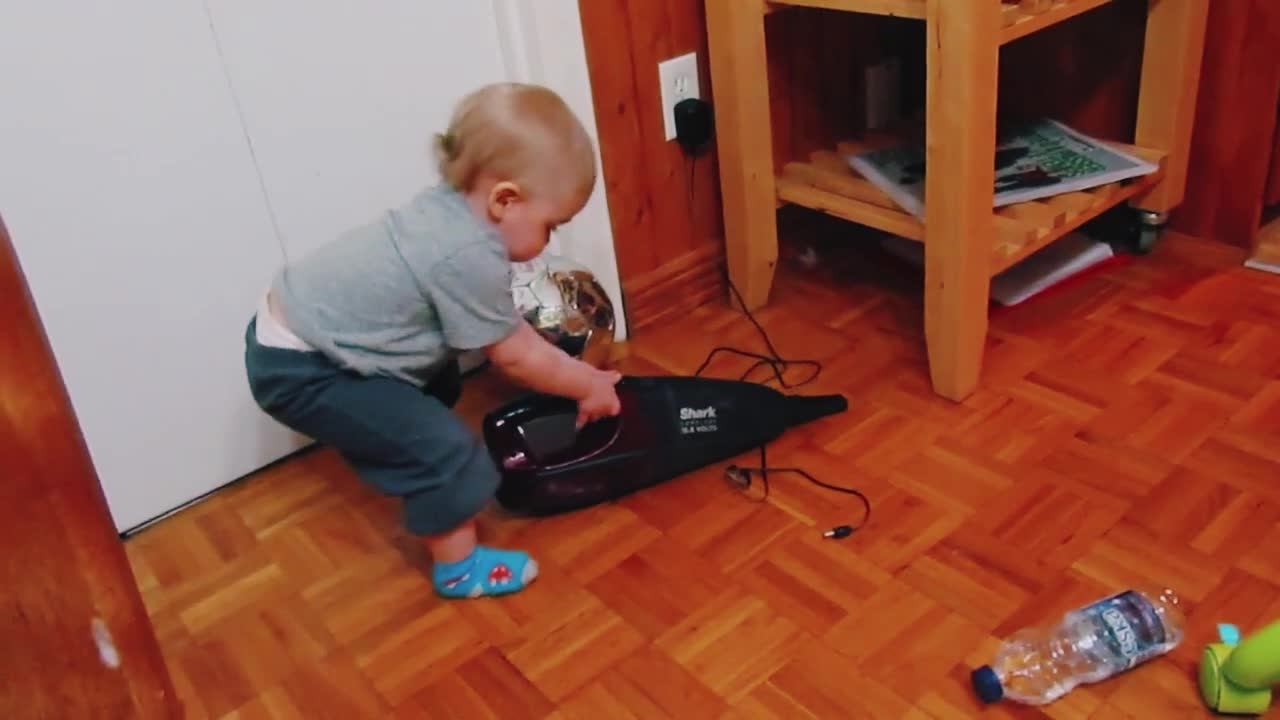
x=356 y=345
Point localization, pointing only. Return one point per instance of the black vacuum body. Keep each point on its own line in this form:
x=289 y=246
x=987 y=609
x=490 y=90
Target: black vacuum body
x=668 y=426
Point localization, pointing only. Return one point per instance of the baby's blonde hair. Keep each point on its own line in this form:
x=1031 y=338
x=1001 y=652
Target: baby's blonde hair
x=519 y=132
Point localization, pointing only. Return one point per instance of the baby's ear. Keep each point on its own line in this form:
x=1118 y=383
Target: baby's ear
x=502 y=196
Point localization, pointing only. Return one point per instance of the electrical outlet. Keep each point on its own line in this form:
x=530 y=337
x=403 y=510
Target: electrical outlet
x=678 y=78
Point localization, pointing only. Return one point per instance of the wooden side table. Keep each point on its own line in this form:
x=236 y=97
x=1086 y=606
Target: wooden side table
x=966 y=241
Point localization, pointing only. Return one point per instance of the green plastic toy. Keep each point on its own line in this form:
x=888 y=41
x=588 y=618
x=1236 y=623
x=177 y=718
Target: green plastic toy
x=1237 y=676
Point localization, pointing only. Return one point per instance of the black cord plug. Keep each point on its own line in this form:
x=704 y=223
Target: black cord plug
x=738 y=476
x=694 y=124
x=840 y=531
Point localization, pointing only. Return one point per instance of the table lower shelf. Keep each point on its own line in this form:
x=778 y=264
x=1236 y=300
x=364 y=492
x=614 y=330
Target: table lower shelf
x=827 y=183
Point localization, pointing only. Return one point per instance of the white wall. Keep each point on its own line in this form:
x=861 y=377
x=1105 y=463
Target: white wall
x=543 y=44
x=156 y=155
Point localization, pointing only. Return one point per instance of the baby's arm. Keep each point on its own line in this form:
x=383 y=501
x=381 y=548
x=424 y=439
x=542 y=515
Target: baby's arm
x=471 y=293
x=531 y=360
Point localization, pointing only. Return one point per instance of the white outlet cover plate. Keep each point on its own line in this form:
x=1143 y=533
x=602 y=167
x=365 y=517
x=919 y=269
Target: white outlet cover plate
x=678 y=79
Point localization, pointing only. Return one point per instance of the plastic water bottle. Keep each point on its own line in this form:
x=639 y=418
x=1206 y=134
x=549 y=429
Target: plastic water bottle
x=1036 y=666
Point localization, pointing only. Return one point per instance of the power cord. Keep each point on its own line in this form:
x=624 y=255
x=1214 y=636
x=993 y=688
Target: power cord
x=773 y=359
x=742 y=476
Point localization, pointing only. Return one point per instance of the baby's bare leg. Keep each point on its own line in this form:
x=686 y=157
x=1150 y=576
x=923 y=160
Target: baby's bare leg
x=454 y=545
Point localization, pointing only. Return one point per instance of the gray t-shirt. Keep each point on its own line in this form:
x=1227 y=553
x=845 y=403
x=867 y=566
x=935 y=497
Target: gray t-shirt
x=406 y=292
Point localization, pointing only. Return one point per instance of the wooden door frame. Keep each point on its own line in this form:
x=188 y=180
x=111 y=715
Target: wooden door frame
x=80 y=643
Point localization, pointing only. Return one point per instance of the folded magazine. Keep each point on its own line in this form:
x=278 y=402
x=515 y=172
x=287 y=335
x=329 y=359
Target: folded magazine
x=1033 y=161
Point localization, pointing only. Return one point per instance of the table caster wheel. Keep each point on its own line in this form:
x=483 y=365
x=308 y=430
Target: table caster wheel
x=1146 y=230
x=1145 y=242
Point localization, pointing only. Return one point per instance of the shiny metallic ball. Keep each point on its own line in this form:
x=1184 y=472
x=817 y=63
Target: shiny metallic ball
x=566 y=304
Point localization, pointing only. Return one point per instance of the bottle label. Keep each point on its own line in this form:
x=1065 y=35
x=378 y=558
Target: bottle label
x=1134 y=630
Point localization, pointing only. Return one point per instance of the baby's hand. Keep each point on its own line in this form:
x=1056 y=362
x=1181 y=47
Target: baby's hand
x=601 y=400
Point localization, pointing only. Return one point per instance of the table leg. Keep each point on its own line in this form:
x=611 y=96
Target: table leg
x=1171 y=64
x=962 y=58
x=744 y=141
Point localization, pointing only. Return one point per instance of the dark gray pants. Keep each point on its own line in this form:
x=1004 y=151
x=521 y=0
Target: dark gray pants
x=402 y=440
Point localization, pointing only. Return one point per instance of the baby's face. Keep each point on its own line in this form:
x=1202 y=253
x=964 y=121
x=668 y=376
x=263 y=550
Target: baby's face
x=526 y=225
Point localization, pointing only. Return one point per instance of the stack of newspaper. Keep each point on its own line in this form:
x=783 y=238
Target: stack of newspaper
x=1033 y=161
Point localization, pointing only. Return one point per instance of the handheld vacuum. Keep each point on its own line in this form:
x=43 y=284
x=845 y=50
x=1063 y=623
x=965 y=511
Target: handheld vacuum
x=668 y=426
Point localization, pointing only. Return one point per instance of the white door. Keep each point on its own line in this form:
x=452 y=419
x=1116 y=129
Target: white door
x=341 y=115
x=159 y=158
x=341 y=101
x=135 y=210
x=341 y=98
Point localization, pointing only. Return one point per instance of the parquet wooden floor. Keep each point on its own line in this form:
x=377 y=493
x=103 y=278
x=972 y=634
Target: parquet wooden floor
x=1128 y=432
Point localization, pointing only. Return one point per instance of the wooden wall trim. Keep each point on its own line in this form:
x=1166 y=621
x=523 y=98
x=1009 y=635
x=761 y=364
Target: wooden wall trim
x=664 y=210
x=677 y=286
x=664 y=206
x=62 y=564
x=1236 y=117
x=667 y=221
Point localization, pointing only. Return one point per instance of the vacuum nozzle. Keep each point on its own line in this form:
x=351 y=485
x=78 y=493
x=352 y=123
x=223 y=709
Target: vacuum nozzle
x=801 y=409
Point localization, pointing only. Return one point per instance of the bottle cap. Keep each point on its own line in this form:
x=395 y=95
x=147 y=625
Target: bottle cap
x=987 y=684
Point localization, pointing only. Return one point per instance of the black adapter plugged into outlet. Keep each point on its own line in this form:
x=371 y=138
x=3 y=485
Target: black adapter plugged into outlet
x=694 y=124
